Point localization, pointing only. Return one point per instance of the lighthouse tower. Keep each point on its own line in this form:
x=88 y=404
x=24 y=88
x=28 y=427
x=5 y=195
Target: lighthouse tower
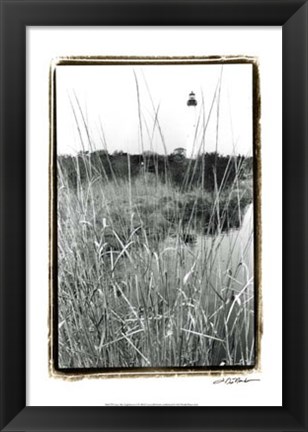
x=191 y=145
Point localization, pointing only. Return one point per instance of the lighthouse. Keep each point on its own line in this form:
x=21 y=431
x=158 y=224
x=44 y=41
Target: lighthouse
x=191 y=145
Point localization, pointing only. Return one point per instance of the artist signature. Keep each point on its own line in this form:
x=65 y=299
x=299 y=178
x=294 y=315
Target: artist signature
x=234 y=380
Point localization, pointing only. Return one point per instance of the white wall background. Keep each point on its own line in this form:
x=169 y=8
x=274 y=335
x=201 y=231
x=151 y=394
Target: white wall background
x=44 y=44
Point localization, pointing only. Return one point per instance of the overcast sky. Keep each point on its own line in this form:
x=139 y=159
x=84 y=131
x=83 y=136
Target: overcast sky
x=107 y=97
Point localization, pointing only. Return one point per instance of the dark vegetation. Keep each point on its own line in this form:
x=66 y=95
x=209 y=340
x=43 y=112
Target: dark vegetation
x=182 y=172
x=192 y=186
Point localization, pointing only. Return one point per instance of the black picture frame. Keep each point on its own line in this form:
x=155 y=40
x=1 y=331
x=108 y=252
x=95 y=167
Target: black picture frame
x=16 y=15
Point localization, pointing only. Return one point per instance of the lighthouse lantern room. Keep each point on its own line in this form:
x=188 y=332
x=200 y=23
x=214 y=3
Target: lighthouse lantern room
x=191 y=99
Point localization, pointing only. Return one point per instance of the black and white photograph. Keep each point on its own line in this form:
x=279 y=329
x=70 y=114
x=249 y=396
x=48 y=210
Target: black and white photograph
x=155 y=203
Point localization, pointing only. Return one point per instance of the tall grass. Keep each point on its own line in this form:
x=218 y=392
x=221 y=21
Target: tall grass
x=151 y=274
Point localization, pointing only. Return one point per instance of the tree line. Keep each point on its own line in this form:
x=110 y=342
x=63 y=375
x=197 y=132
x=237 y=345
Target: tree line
x=204 y=171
